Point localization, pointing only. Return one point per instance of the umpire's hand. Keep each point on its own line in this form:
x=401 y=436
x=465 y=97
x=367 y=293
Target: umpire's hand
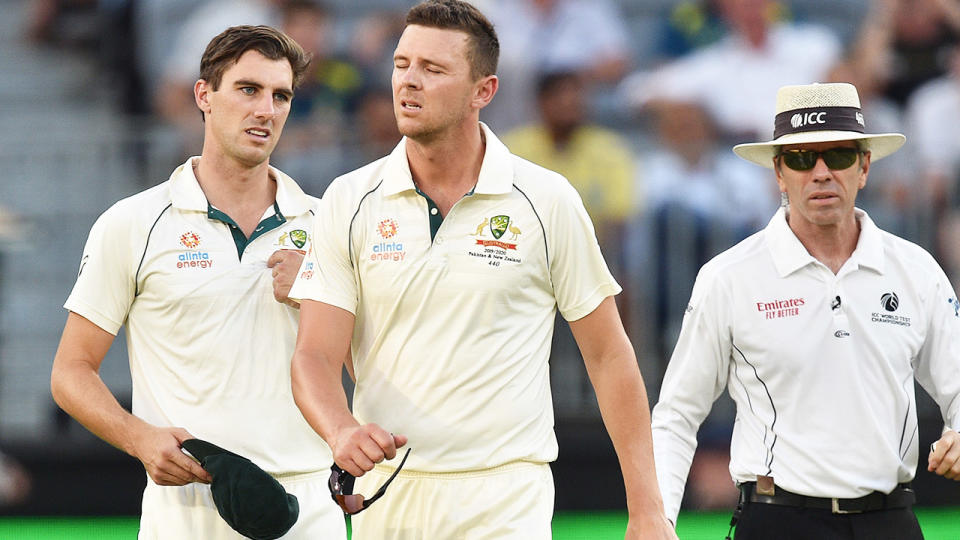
x=944 y=456
x=356 y=449
x=285 y=264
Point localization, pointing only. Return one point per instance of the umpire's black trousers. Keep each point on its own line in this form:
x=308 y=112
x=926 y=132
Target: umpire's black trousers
x=760 y=521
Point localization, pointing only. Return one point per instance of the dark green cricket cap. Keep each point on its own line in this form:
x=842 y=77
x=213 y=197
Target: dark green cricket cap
x=247 y=498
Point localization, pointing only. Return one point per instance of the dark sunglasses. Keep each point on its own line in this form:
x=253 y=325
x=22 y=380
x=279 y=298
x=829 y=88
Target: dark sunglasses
x=341 y=489
x=835 y=158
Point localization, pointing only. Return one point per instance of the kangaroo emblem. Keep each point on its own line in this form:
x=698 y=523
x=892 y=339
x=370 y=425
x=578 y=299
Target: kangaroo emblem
x=486 y=221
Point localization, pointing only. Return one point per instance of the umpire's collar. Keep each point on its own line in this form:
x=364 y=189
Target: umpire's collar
x=789 y=254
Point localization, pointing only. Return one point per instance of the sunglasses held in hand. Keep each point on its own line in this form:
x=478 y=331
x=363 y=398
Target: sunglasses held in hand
x=341 y=489
x=835 y=158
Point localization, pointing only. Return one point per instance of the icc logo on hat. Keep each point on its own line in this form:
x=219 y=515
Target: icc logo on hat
x=800 y=120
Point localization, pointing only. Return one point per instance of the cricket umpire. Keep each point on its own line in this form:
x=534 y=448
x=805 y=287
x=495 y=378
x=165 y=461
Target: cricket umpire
x=817 y=325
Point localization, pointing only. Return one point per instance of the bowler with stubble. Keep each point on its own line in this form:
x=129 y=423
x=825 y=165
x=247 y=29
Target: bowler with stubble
x=450 y=342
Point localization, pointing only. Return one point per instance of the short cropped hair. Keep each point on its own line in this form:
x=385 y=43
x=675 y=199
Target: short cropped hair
x=484 y=47
x=229 y=46
x=549 y=81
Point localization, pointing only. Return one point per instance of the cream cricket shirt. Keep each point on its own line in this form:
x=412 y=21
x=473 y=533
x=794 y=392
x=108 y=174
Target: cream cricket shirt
x=454 y=315
x=209 y=346
x=821 y=366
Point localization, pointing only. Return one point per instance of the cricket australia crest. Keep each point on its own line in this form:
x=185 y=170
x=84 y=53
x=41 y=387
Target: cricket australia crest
x=498 y=226
x=298 y=237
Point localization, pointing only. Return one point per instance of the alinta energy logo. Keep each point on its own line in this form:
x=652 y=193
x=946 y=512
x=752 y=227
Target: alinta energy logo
x=890 y=302
x=193 y=259
x=387 y=228
x=388 y=251
x=190 y=239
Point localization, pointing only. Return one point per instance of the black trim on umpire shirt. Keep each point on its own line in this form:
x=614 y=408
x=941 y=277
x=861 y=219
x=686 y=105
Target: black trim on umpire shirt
x=906 y=417
x=772 y=406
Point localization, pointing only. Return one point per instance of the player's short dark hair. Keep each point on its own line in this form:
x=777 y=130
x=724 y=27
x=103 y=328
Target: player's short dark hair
x=484 y=47
x=229 y=46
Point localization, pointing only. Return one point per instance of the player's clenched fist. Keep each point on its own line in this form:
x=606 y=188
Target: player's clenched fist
x=284 y=265
x=356 y=449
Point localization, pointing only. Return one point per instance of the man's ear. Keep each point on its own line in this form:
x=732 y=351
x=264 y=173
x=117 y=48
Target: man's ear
x=485 y=90
x=201 y=94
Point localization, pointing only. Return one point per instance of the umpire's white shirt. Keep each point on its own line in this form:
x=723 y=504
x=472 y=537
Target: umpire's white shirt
x=209 y=346
x=454 y=320
x=820 y=365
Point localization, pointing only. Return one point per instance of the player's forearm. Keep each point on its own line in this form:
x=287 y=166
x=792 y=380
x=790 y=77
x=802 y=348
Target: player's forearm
x=626 y=415
x=318 y=393
x=80 y=391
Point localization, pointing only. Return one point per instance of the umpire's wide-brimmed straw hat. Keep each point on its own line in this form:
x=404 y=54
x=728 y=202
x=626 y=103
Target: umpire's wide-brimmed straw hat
x=812 y=113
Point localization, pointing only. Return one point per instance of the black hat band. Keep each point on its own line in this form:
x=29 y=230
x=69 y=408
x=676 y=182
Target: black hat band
x=818 y=119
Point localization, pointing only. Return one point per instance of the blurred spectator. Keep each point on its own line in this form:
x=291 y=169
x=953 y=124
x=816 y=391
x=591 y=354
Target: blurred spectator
x=921 y=34
x=174 y=101
x=374 y=132
x=933 y=120
x=595 y=160
x=373 y=40
x=324 y=103
x=691 y=24
x=119 y=54
x=933 y=127
x=699 y=199
x=730 y=77
x=538 y=36
x=692 y=169
x=63 y=22
x=157 y=25
x=332 y=85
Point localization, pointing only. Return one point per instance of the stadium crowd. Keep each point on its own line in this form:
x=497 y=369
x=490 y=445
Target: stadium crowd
x=636 y=102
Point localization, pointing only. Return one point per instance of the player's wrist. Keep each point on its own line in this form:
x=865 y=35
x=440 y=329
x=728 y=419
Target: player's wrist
x=135 y=431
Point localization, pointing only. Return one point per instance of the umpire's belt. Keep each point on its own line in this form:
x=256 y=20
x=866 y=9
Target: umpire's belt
x=901 y=497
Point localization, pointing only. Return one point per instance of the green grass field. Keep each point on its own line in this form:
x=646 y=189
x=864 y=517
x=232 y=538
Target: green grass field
x=937 y=524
